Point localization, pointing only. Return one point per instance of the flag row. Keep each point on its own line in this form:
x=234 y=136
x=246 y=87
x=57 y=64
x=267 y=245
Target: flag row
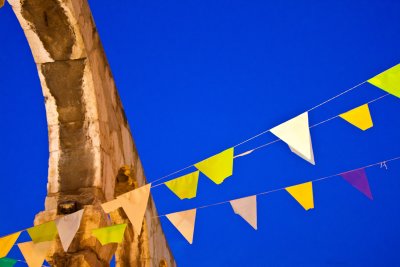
x=294 y=132
x=133 y=203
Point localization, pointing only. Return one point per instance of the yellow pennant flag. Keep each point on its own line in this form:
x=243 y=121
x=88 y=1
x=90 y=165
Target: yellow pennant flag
x=303 y=193
x=359 y=117
x=388 y=80
x=34 y=254
x=7 y=242
x=110 y=234
x=111 y=205
x=43 y=232
x=184 y=222
x=184 y=186
x=218 y=167
x=134 y=204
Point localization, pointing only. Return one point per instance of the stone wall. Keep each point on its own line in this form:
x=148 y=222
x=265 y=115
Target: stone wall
x=92 y=154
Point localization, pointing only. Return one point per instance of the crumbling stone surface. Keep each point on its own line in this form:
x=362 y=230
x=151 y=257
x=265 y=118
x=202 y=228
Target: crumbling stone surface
x=93 y=157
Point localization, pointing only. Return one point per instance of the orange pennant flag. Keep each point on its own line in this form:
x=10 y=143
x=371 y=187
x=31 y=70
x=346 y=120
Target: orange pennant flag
x=134 y=204
x=35 y=253
x=7 y=242
x=111 y=205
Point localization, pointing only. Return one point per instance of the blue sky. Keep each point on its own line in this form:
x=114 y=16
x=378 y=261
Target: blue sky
x=197 y=77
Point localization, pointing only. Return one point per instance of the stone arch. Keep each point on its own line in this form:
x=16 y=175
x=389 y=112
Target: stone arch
x=89 y=136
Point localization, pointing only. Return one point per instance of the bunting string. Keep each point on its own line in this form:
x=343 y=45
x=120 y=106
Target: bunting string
x=266 y=131
x=312 y=126
x=269 y=143
x=283 y=188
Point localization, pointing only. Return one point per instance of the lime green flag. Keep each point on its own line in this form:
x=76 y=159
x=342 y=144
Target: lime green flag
x=218 y=167
x=110 y=234
x=7 y=262
x=185 y=186
x=43 y=232
x=388 y=80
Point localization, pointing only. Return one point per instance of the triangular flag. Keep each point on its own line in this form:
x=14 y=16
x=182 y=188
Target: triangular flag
x=303 y=193
x=7 y=262
x=358 y=179
x=111 y=205
x=184 y=221
x=184 y=186
x=359 y=117
x=388 y=80
x=218 y=167
x=296 y=133
x=43 y=232
x=311 y=159
x=247 y=208
x=67 y=227
x=35 y=254
x=110 y=234
x=7 y=242
x=134 y=204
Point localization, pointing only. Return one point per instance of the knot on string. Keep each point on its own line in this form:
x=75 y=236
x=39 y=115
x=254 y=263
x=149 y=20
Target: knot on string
x=383 y=165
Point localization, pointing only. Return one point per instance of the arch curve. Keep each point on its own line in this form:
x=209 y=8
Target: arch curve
x=89 y=136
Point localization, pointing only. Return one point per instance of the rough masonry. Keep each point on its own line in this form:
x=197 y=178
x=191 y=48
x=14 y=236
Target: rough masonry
x=93 y=157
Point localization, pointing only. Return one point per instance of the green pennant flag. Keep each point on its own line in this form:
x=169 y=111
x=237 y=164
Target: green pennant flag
x=388 y=80
x=7 y=262
x=110 y=234
x=43 y=232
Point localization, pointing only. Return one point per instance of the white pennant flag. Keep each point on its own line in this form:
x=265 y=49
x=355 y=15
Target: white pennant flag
x=67 y=227
x=296 y=133
x=246 y=208
x=134 y=204
x=184 y=221
x=34 y=254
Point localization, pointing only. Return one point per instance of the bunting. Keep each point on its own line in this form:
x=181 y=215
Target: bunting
x=111 y=205
x=296 y=134
x=184 y=186
x=303 y=193
x=184 y=222
x=218 y=167
x=110 y=234
x=34 y=254
x=7 y=242
x=7 y=262
x=43 y=232
x=359 y=117
x=67 y=227
x=247 y=209
x=358 y=179
x=134 y=204
x=388 y=80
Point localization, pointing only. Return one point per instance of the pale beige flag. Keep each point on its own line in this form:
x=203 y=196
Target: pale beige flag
x=35 y=254
x=67 y=226
x=310 y=159
x=296 y=133
x=184 y=221
x=111 y=205
x=247 y=209
x=134 y=204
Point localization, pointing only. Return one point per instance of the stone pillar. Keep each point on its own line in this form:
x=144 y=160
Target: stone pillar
x=92 y=154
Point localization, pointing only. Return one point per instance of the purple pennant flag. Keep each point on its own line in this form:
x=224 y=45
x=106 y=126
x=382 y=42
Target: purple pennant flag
x=358 y=179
